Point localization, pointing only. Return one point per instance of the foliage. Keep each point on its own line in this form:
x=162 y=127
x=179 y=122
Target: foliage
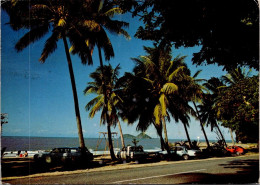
x=158 y=90
x=151 y=85
x=227 y=30
x=114 y=91
x=238 y=108
x=64 y=20
x=207 y=108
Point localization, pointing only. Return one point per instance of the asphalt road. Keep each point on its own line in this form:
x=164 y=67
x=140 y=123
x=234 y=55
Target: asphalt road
x=243 y=169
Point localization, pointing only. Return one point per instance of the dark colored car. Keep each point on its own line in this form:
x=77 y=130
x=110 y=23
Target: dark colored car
x=236 y=150
x=65 y=155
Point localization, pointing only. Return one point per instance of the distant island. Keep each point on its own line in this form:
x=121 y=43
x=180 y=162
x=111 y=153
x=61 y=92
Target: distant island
x=139 y=136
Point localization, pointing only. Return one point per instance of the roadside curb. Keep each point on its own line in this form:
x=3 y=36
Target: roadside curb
x=117 y=167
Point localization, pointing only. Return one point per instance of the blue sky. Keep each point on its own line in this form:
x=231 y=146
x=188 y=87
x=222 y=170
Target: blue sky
x=38 y=97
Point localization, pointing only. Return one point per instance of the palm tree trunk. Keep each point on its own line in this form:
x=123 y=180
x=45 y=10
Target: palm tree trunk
x=232 y=138
x=159 y=132
x=75 y=96
x=112 y=154
x=221 y=134
x=202 y=128
x=187 y=134
x=165 y=140
x=121 y=134
x=165 y=131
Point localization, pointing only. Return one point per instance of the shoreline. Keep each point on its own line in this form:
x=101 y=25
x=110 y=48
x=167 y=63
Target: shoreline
x=31 y=153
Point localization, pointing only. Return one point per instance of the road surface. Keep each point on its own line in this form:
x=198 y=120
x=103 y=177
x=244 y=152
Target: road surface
x=243 y=169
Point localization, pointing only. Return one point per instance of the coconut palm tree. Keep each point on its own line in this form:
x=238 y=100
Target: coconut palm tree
x=139 y=105
x=100 y=20
x=235 y=76
x=63 y=20
x=195 y=92
x=208 y=109
x=158 y=71
x=154 y=89
x=114 y=91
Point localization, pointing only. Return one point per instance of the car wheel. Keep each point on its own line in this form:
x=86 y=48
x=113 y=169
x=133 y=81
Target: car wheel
x=238 y=153
x=185 y=157
x=48 y=159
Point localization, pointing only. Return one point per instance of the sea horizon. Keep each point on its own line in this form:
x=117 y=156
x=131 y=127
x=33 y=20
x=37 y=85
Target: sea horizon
x=179 y=139
x=32 y=143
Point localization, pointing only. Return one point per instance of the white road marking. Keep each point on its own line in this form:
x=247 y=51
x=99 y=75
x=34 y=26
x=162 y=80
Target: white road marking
x=157 y=176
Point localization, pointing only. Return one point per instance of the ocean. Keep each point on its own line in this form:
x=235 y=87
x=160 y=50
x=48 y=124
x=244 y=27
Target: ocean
x=15 y=143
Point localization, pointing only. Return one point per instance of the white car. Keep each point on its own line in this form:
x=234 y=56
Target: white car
x=132 y=153
x=183 y=152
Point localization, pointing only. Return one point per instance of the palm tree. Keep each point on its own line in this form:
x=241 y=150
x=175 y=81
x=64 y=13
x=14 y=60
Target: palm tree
x=158 y=71
x=180 y=110
x=195 y=91
x=235 y=76
x=208 y=109
x=102 y=12
x=114 y=91
x=63 y=19
x=154 y=87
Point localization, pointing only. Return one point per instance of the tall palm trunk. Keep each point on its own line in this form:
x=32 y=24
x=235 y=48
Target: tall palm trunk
x=187 y=134
x=75 y=96
x=165 y=131
x=159 y=132
x=201 y=124
x=164 y=144
x=121 y=134
x=110 y=142
x=221 y=134
x=231 y=134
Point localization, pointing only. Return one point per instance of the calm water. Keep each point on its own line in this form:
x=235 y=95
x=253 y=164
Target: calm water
x=47 y=143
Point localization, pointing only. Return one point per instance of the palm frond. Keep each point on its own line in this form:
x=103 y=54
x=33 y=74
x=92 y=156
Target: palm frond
x=163 y=105
x=32 y=36
x=91 y=25
x=169 y=88
x=105 y=43
x=157 y=113
x=81 y=48
x=96 y=107
x=115 y=26
x=113 y=11
x=177 y=73
x=197 y=73
x=90 y=89
x=50 y=45
x=92 y=102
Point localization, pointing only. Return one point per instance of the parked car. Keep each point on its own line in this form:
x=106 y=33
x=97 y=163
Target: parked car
x=181 y=152
x=132 y=153
x=236 y=150
x=64 y=155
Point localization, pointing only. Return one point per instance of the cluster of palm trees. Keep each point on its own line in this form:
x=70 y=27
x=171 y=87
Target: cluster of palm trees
x=82 y=22
x=159 y=88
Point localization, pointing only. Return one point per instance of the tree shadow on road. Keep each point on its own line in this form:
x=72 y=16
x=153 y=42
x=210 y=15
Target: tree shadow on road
x=27 y=166
x=247 y=172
